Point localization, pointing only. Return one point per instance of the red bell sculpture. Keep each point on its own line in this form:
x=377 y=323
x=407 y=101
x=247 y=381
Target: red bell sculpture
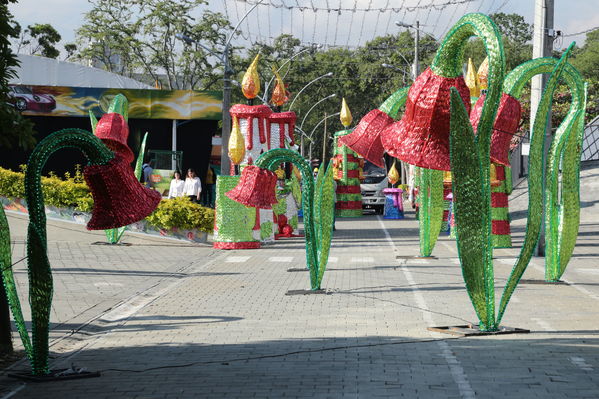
x=119 y=198
x=256 y=188
x=365 y=139
x=421 y=137
x=113 y=130
x=505 y=126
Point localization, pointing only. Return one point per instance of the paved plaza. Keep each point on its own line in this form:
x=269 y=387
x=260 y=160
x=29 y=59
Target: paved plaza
x=167 y=319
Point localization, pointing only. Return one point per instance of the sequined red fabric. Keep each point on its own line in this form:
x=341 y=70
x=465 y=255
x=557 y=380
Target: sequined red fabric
x=421 y=137
x=504 y=128
x=250 y=112
x=256 y=188
x=366 y=137
x=119 y=198
x=282 y=118
x=113 y=130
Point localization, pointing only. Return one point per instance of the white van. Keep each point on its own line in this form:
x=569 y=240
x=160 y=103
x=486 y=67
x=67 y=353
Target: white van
x=375 y=181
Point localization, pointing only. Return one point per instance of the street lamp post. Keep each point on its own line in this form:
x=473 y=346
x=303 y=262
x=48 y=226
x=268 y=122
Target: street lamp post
x=304 y=120
x=264 y=97
x=227 y=73
x=316 y=127
x=326 y=75
x=417 y=31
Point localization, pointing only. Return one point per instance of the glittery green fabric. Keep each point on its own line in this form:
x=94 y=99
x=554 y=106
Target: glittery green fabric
x=234 y=222
x=394 y=102
x=470 y=163
x=40 y=274
x=430 y=209
x=535 y=185
x=318 y=208
x=10 y=285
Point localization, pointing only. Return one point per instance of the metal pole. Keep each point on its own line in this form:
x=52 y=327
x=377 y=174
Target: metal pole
x=226 y=130
x=416 y=45
x=542 y=47
x=174 y=145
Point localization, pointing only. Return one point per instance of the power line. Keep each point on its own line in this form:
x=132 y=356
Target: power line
x=583 y=32
x=437 y=6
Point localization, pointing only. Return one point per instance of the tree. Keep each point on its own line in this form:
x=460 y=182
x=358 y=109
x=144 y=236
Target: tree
x=40 y=39
x=138 y=37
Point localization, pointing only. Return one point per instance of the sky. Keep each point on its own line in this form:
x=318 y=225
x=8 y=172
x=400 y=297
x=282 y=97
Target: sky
x=344 y=28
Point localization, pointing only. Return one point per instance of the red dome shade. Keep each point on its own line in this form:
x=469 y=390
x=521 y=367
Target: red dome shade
x=256 y=188
x=505 y=126
x=421 y=137
x=113 y=130
x=365 y=139
x=119 y=198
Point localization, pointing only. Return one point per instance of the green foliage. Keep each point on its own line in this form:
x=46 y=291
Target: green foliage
x=40 y=39
x=14 y=129
x=72 y=192
x=129 y=36
x=181 y=213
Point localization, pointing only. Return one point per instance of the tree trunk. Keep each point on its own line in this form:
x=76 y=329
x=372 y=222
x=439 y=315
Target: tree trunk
x=5 y=326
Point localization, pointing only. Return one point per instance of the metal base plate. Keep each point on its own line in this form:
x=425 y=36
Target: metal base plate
x=560 y=282
x=56 y=375
x=308 y=292
x=122 y=244
x=470 y=330
x=297 y=269
x=415 y=257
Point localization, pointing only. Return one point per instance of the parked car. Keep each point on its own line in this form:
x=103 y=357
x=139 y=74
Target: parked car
x=24 y=99
x=375 y=181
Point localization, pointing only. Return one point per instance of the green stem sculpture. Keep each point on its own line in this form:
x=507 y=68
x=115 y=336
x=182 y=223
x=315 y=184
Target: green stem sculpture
x=430 y=209
x=471 y=188
x=39 y=271
x=561 y=211
x=318 y=201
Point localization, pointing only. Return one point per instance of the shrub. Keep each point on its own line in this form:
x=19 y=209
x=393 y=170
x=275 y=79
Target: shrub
x=72 y=192
x=183 y=214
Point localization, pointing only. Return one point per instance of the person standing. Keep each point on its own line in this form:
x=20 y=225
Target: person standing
x=177 y=186
x=193 y=186
x=207 y=190
x=146 y=173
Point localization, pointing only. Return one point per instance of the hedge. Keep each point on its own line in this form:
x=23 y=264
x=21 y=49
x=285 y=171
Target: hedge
x=72 y=192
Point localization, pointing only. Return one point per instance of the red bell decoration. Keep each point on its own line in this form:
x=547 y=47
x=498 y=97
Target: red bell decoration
x=421 y=137
x=113 y=130
x=119 y=198
x=366 y=137
x=504 y=128
x=256 y=188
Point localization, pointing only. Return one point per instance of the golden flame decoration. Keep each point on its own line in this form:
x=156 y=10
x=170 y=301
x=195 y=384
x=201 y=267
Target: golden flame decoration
x=345 y=115
x=236 y=144
x=472 y=80
x=279 y=94
x=250 y=85
x=483 y=74
x=393 y=174
x=280 y=173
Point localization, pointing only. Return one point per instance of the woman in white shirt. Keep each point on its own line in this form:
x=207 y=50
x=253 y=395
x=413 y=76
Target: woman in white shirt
x=177 y=185
x=193 y=186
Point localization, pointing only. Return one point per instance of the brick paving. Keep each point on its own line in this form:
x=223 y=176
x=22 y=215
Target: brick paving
x=161 y=319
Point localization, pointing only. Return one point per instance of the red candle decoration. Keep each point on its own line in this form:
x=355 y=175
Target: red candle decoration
x=279 y=125
x=256 y=188
x=119 y=198
x=365 y=139
x=113 y=130
x=505 y=126
x=421 y=137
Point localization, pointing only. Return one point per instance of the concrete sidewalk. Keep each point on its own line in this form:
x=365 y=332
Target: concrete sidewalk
x=170 y=321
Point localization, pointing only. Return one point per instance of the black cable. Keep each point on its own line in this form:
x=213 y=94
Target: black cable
x=245 y=359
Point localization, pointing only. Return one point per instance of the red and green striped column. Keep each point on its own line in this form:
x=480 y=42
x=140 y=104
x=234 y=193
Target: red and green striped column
x=347 y=173
x=500 y=213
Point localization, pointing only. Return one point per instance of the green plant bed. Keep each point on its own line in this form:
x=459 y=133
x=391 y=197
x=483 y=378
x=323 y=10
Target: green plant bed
x=70 y=198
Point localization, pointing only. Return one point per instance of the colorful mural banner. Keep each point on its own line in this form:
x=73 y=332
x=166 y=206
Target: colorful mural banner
x=143 y=103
